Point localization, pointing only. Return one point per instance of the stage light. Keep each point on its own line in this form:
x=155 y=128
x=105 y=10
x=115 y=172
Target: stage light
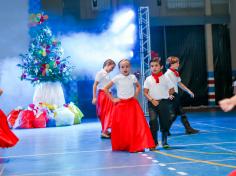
x=131 y=54
x=122 y=20
x=116 y=42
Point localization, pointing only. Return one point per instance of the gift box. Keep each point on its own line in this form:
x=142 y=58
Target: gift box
x=25 y=119
x=78 y=115
x=63 y=117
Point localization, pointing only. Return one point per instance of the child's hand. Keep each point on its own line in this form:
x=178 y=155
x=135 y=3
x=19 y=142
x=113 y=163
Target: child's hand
x=191 y=94
x=171 y=97
x=1 y=92
x=94 y=101
x=155 y=102
x=115 y=100
x=226 y=104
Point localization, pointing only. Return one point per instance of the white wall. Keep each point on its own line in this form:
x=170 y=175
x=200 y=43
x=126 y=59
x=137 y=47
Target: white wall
x=13 y=41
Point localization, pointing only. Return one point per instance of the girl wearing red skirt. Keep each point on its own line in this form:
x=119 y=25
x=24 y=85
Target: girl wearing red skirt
x=7 y=137
x=130 y=131
x=103 y=102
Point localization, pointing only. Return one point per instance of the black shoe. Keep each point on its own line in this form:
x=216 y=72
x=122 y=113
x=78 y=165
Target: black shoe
x=153 y=148
x=191 y=131
x=165 y=146
x=105 y=136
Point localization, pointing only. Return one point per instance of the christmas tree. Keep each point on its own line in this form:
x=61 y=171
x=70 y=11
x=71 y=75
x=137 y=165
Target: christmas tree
x=44 y=61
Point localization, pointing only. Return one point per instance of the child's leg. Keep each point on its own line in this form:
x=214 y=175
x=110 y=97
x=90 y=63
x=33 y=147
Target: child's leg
x=173 y=114
x=164 y=116
x=184 y=118
x=153 y=121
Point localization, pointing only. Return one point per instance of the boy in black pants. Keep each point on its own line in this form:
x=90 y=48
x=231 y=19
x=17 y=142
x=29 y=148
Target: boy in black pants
x=156 y=90
x=176 y=108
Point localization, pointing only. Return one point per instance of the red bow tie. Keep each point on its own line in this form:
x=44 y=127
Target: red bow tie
x=156 y=76
x=175 y=72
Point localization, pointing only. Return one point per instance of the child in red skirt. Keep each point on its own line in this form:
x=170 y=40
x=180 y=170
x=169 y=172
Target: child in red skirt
x=130 y=131
x=103 y=102
x=7 y=137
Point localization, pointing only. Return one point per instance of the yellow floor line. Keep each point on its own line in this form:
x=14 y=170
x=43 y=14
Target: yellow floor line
x=208 y=153
x=195 y=160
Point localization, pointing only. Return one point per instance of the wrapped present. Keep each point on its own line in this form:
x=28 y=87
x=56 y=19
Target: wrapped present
x=49 y=106
x=51 y=122
x=63 y=117
x=78 y=115
x=13 y=115
x=40 y=119
x=25 y=119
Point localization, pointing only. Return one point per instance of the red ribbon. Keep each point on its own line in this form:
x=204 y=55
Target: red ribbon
x=175 y=72
x=156 y=76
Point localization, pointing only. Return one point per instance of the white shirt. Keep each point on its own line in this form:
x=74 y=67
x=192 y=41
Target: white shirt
x=125 y=85
x=103 y=78
x=159 y=90
x=174 y=79
x=234 y=83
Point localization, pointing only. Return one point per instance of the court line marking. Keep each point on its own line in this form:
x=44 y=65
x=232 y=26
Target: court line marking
x=106 y=150
x=191 y=162
x=62 y=153
x=200 y=144
x=224 y=149
x=2 y=169
x=210 y=153
x=196 y=160
x=202 y=132
x=84 y=170
x=181 y=173
x=117 y=167
x=214 y=126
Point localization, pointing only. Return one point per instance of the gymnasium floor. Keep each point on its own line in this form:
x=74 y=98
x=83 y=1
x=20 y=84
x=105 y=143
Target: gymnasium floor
x=79 y=150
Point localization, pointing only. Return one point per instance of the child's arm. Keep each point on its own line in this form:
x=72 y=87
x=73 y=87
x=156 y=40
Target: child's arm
x=137 y=90
x=154 y=102
x=1 y=91
x=228 y=103
x=106 y=89
x=95 y=84
x=184 y=88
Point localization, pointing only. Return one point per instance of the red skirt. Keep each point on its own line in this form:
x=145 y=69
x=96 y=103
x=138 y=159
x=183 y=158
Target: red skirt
x=104 y=109
x=7 y=137
x=130 y=131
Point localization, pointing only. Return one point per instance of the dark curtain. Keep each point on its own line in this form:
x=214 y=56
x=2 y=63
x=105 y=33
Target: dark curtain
x=222 y=61
x=187 y=43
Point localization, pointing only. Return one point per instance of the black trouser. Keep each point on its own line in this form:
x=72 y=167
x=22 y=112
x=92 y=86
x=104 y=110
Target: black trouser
x=176 y=108
x=161 y=112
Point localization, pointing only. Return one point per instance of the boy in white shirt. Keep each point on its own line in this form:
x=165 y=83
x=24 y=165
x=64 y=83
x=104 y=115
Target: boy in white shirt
x=157 y=89
x=175 y=79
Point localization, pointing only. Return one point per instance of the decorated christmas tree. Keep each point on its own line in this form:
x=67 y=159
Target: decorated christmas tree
x=44 y=61
x=44 y=64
